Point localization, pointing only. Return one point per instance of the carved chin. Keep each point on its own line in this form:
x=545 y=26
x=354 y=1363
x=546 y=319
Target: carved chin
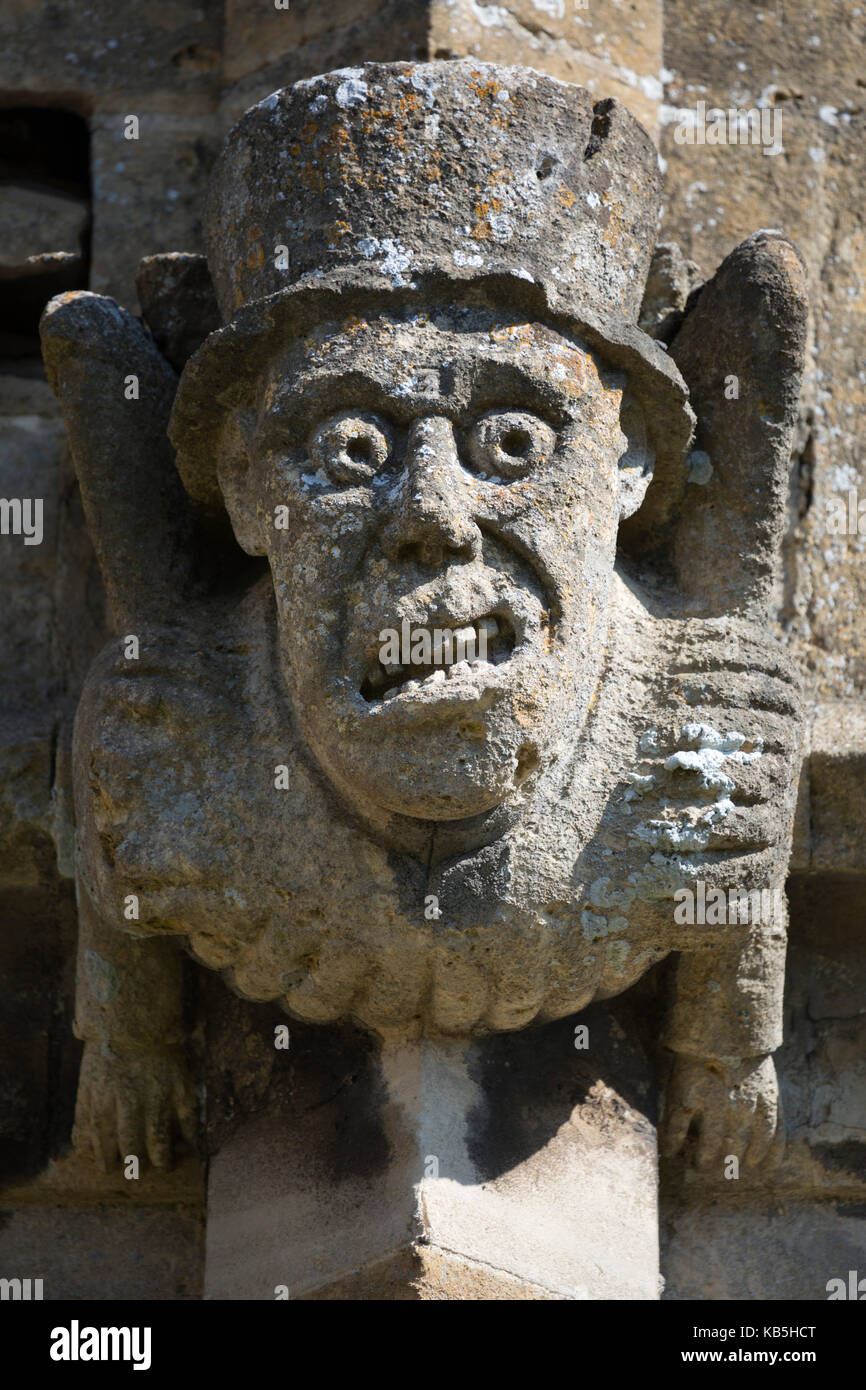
x=446 y=749
x=451 y=778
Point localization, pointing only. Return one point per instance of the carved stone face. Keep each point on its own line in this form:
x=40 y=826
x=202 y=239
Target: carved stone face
x=441 y=472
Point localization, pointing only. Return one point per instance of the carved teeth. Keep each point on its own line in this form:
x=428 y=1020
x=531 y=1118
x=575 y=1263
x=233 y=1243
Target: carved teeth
x=494 y=636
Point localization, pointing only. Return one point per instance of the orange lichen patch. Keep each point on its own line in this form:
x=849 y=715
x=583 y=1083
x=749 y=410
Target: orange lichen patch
x=565 y=197
x=482 y=211
x=373 y=117
x=312 y=178
x=336 y=233
x=315 y=347
x=574 y=381
x=500 y=176
x=616 y=224
x=512 y=333
x=353 y=324
x=433 y=172
x=489 y=89
x=256 y=255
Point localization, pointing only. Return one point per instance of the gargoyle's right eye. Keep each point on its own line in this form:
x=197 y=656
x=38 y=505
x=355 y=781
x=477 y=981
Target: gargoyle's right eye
x=351 y=447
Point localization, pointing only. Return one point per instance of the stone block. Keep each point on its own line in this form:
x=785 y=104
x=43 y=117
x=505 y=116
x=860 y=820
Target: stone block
x=511 y=1168
x=147 y=193
x=771 y=1251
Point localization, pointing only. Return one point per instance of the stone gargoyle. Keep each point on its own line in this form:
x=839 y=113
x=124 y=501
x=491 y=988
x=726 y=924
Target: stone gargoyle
x=430 y=404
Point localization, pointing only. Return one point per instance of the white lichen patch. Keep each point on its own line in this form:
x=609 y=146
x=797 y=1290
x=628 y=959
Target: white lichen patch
x=352 y=91
x=467 y=258
x=397 y=258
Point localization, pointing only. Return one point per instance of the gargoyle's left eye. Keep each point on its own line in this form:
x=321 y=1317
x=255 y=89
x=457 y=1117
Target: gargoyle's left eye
x=510 y=443
x=351 y=447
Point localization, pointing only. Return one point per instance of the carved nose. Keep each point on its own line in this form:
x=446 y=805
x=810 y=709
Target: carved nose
x=431 y=523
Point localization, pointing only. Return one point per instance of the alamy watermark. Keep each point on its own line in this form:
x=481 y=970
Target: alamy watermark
x=20 y=1290
x=735 y=126
x=846 y=515
x=22 y=516
x=77 y=1343
x=705 y=905
x=437 y=646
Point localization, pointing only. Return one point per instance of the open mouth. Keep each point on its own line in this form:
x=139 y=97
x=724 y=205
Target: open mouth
x=485 y=641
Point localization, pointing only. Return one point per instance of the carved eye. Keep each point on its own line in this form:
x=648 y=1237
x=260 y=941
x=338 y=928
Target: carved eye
x=351 y=446
x=510 y=443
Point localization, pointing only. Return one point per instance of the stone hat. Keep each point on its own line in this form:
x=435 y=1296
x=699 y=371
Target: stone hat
x=396 y=182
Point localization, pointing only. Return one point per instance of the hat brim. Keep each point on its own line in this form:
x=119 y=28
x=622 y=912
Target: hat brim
x=220 y=376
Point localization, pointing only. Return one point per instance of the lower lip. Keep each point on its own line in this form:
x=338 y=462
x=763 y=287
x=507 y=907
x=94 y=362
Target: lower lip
x=463 y=691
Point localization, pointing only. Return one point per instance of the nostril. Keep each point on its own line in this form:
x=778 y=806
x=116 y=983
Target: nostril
x=434 y=551
x=413 y=552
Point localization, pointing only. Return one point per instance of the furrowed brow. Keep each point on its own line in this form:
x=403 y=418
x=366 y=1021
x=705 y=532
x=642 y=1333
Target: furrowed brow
x=330 y=391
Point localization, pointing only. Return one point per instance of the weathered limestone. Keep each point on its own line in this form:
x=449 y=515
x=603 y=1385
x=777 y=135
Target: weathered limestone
x=801 y=64
x=608 y=47
x=178 y=303
x=169 y=61
x=165 y=57
x=431 y=407
x=602 y=45
x=500 y=1169
x=155 y=181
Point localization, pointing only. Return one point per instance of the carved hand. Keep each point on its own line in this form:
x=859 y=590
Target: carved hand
x=116 y=391
x=741 y=351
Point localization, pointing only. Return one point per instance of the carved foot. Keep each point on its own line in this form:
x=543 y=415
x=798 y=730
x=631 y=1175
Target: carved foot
x=733 y=1104
x=133 y=1104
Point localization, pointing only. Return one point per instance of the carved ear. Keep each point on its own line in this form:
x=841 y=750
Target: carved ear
x=637 y=462
x=235 y=474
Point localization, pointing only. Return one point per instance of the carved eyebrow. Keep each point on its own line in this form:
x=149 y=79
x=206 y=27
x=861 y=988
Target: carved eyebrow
x=334 y=390
x=512 y=382
x=464 y=386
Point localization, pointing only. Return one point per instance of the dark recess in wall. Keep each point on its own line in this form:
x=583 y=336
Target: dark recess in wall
x=44 y=181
